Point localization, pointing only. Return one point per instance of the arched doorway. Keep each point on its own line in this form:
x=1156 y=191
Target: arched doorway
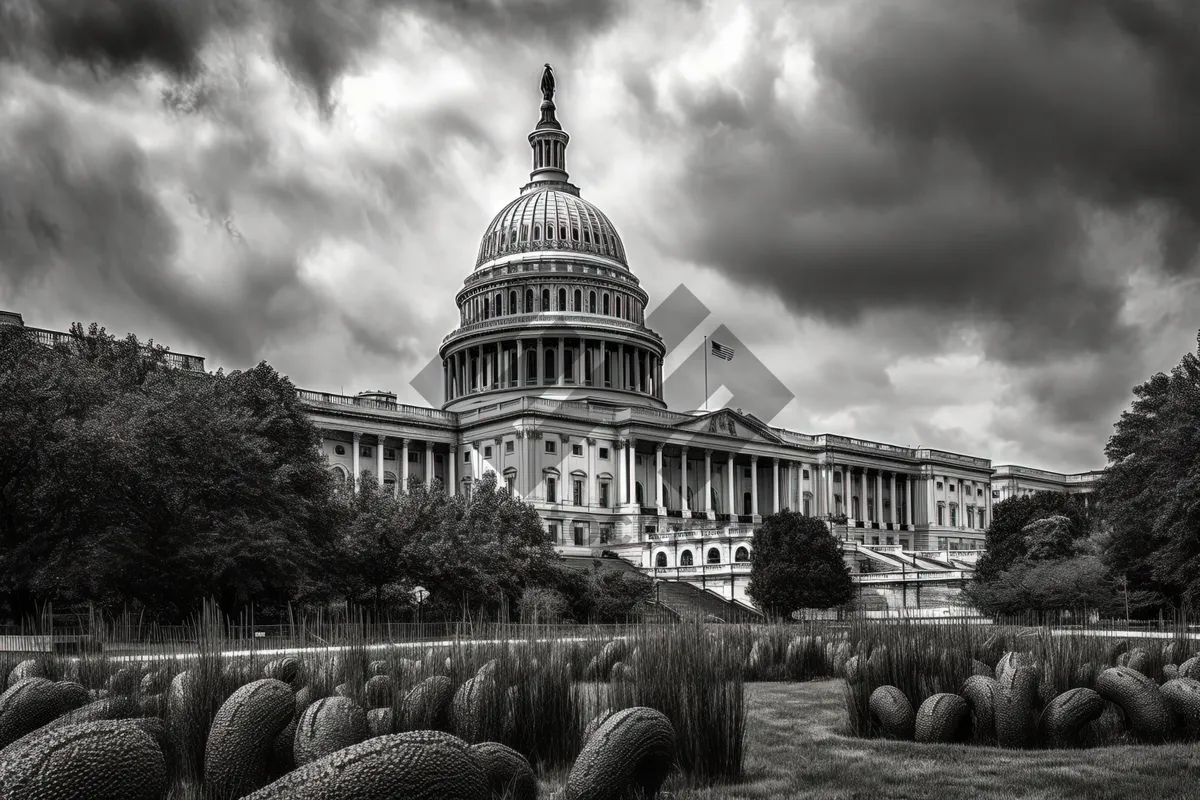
x=660 y=560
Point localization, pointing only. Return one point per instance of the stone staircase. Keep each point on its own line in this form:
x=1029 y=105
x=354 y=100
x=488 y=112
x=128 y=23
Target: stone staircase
x=688 y=601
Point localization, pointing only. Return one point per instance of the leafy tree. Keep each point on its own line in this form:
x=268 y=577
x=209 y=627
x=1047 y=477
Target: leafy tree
x=1151 y=487
x=1007 y=540
x=617 y=596
x=138 y=483
x=796 y=564
x=1077 y=583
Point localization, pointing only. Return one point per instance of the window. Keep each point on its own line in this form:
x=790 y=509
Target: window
x=995 y=494
x=874 y=540
x=551 y=490
x=545 y=299
x=549 y=231
x=578 y=300
x=604 y=453
x=805 y=474
x=512 y=302
x=953 y=516
x=606 y=305
x=651 y=529
x=389 y=454
x=714 y=556
x=414 y=457
x=562 y=232
x=939 y=486
x=891 y=540
x=741 y=555
x=510 y=447
x=466 y=456
x=604 y=495
x=592 y=302
x=808 y=507
x=579 y=536
x=575 y=234
x=577 y=492
x=943 y=543
x=952 y=487
x=562 y=299
x=979 y=492
x=552 y=529
x=941 y=517
x=837 y=477
x=660 y=560
x=551 y=446
x=605 y=533
x=528 y=300
x=340 y=450
x=510 y=484
x=685 y=558
x=537 y=232
x=981 y=522
x=364 y=452
x=487 y=451
x=576 y=449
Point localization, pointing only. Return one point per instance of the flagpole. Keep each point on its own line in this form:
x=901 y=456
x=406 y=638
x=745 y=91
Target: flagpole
x=706 y=373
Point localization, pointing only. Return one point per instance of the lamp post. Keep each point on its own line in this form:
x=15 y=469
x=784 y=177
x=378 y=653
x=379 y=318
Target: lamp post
x=419 y=594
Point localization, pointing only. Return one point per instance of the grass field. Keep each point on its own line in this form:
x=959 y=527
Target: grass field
x=795 y=750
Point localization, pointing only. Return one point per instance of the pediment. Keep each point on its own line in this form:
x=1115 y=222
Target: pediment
x=724 y=422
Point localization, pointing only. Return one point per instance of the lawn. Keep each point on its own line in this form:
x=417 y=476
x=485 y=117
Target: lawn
x=795 y=750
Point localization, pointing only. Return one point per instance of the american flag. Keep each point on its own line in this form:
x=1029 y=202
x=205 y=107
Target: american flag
x=721 y=351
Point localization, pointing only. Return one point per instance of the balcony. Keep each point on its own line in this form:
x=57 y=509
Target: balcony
x=550 y=319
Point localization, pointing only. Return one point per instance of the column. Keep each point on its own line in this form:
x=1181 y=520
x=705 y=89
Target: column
x=658 y=478
x=619 y=467
x=379 y=459
x=789 y=495
x=729 y=480
x=683 y=481
x=619 y=377
x=559 y=361
x=754 y=485
x=593 y=483
x=452 y=472
x=708 y=509
x=541 y=362
x=878 y=496
x=908 y=508
x=428 y=463
x=520 y=362
x=631 y=473
x=775 y=484
x=523 y=466
x=403 y=472
x=828 y=478
x=892 y=498
x=357 y=468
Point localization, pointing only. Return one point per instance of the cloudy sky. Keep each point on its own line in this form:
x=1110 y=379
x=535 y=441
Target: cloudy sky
x=963 y=225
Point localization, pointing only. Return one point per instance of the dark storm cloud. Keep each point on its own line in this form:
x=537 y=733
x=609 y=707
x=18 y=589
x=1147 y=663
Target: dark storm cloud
x=949 y=161
x=315 y=40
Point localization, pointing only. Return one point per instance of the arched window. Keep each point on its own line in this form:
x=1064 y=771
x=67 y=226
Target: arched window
x=562 y=232
x=528 y=301
x=587 y=239
x=592 y=302
x=342 y=478
x=685 y=558
x=618 y=305
x=714 y=556
x=537 y=232
x=953 y=516
x=549 y=231
x=548 y=367
x=499 y=306
x=660 y=560
x=606 y=306
x=545 y=299
x=562 y=299
x=941 y=514
x=485 y=308
x=741 y=555
x=512 y=237
x=575 y=234
x=578 y=300
x=524 y=233
x=807 y=504
x=474 y=373
x=512 y=302
x=568 y=364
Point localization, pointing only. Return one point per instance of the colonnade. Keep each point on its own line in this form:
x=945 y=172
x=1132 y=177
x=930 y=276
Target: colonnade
x=552 y=361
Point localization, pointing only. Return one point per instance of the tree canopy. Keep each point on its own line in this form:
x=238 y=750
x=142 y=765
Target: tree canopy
x=1150 y=491
x=796 y=563
x=1008 y=541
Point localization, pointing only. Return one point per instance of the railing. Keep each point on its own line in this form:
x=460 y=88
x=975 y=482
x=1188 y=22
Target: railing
x=658 y=413
x=920 y=576
x=691 y=534
x=942 y=455
x=538 y=319
x=326 y=398
x=830 y=439
x=183 y=361
x=735 y=568
x=563 y=245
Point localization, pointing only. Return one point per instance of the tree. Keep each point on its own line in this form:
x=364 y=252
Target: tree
x=1007 y=542
x=1151 y=487
x=617 y=596
x=1077 y=583
x=137 y=483
x=796 y=563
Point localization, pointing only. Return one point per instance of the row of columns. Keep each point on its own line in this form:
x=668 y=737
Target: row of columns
x=489 y=304
x=857 y=486
x=402 y=458
x=484 y=367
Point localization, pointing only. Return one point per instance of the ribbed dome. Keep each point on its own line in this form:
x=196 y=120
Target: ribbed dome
x=551 y=219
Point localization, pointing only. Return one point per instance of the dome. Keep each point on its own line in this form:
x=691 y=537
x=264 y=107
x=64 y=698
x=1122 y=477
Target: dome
x=551 y=219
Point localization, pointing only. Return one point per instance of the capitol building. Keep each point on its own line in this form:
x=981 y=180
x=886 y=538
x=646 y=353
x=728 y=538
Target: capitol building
x=553 y=381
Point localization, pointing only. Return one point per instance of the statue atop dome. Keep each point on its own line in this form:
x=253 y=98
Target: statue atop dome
x=548 y=84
